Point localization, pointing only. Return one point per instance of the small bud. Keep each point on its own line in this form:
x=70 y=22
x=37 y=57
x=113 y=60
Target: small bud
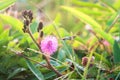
x=24 y=26
x=41 y=34
x=31 y=18
x=85 y=61
x=72 y=67
x=30 y=14
x=23 y=30
x=26 y=22
x=24 y=13
x=40 y=26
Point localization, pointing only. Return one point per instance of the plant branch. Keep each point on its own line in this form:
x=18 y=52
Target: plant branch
x=51 y=67
x=46 y=57
x=35 y=61
x=22 y=55
x=29 y=32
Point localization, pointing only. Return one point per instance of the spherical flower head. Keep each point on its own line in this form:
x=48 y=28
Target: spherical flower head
x=49 y=45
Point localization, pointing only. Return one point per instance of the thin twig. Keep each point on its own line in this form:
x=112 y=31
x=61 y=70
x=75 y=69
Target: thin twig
x=35 y=61
x=64 y=76
x=50 y=57
x=49 y=65
x=29 y=32
x=22 y=55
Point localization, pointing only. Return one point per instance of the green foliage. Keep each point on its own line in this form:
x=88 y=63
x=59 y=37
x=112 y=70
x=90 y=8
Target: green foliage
x=6 y=3
x=36 y=72
x=18 y=70
x=87 y=19
x=116 y=52
x=12 y=21
x=83 y=29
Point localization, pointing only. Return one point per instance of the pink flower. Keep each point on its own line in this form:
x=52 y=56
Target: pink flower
x=49 y=45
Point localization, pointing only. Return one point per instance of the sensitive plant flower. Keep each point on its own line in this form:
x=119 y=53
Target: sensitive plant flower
x=49 y=45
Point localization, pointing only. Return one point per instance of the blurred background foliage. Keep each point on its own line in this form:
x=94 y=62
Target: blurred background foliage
x=81 y=27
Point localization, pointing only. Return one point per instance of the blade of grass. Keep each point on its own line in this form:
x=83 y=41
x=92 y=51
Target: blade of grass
x=87 y=66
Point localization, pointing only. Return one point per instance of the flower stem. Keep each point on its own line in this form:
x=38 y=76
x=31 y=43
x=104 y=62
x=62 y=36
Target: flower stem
x=46 y=57
x=29 y=32
x=51 y=67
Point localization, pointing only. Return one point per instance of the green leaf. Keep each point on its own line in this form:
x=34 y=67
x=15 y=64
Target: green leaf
x=88 y=4
x=6 y=3
x=48 y=29
x=112 y=22
x=18 y=70
x=93 y=12
x=80 y=39
x=51 y=74
x=118 y=76
x=1 y=27
x=111 y=19
x=109 y=5
x=12 y=21
x=4 y=38
x=33 y=27
x=117 y=4
x=63 y=32
x=35 y=71
x=61 y=54
x=104 y=60
x=87 y=19
x=116 y=52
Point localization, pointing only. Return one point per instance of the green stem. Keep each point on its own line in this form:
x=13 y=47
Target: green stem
x=29 y=32
x=98 y=75
x=35 y=61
